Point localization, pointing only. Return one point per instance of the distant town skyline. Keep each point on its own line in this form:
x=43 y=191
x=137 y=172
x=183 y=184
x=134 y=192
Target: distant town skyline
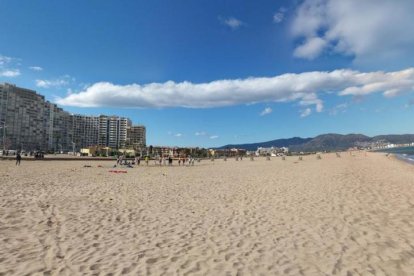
x=210 y=73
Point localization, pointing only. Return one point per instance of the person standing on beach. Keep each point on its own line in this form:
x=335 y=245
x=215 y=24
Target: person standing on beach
x=18 y=159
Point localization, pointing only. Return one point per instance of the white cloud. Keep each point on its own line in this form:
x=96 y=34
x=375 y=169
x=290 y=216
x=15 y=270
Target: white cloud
x=279 y=16
x=6 y=64
x=303 y=88
x=59 y=82
x=340 y=108
x=312 y=99
x=36 y=68
x=306 y=112
x=232 y=22
x=311 y=48
x=5 y=60
x=11 y=73
x=367 y=30
x=175 y=134
x=390 y=84
x=206 y=134
x=266 y=111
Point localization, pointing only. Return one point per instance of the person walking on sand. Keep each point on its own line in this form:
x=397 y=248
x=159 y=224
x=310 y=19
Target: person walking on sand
x=18 y=159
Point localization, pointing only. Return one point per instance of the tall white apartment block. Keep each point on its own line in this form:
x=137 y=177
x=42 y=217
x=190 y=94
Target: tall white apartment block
x=29 y=122
x=23 y=119
x=113 y=131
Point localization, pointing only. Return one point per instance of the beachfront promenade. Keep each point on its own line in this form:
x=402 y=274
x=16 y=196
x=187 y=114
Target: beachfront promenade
x=347 y=215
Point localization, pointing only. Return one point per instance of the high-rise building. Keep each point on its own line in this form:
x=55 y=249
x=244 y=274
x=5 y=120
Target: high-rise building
x=136 y=137
x=59 y=128
x=113 y=131
x=23 y=118
x=85 y=131
x=29 y=122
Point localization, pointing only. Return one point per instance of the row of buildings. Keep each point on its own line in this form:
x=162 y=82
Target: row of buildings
x=271 y=151
x=29 y=122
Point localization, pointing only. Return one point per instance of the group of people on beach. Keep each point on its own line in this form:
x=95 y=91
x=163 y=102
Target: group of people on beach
x=160 y=160
x=190 y=161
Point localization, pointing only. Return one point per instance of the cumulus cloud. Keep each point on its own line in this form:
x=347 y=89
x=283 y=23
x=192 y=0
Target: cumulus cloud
x=231 y=22
x=175 y=134
x=206 y=134
x=390 y=84
x=10 y=73
x=36 y=68
x=266 y=111
x=5 y=60
x=306 y=112
x=312 y=48
x=59 y=82
x=6 y=67
x=304 y=88
x=312 y=99
x=369 y=29
x=340 y=108
x=279 y=16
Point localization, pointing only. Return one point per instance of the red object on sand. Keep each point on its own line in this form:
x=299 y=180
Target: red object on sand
x=115 y=171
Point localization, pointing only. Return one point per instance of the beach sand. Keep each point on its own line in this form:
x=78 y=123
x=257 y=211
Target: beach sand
x=352 y=215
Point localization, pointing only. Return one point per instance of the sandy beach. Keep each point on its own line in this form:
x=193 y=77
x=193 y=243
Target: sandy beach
x=335 y=216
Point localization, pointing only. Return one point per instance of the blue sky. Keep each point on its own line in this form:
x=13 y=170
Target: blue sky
x=209 y=73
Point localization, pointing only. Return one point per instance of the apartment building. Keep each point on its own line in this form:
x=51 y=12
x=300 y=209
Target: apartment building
x=59 y=128
x=85 y=131
x=113 y=131
x=22 y=118
x=136 y=136
x=29 y=122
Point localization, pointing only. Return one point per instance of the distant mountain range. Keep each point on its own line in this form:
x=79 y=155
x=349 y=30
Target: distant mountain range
x=328 y=142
